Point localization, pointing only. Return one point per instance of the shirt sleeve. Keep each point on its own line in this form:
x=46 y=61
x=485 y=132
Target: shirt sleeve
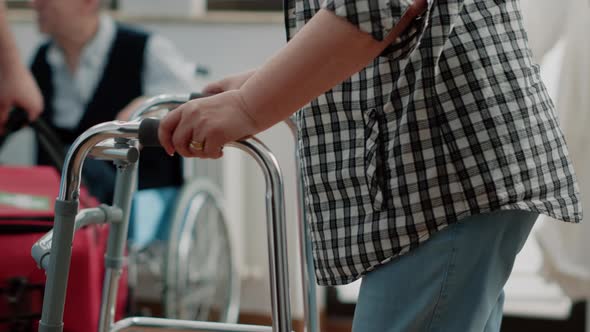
x=167 y=71
x=379 y=17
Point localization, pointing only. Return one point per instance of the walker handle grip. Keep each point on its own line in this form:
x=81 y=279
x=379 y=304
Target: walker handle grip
x=148 y=128
x=17 y=119
x=196 y=95
x=148 y=132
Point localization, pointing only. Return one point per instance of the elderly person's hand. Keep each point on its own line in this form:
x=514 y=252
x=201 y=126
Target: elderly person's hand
x=17 y=86
x=18 y=89
x=200 y=128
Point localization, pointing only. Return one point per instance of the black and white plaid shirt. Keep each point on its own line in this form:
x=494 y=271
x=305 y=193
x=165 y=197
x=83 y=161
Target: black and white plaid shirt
x=450 y=121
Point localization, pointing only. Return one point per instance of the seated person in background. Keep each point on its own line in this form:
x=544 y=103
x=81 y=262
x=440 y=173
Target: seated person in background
x=90 y=69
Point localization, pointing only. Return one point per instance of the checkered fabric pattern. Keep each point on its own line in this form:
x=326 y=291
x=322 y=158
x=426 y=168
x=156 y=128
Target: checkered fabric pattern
x=450 y=121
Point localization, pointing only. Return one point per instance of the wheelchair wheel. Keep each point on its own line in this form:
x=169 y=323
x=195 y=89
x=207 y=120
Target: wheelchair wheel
x=201 y=281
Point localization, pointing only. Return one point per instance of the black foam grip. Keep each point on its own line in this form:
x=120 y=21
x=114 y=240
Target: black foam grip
x=17 y=119
x=148 y=132
x=195 y=95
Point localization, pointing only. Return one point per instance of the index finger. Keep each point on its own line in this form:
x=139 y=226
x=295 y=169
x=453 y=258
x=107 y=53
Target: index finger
x=167 y=127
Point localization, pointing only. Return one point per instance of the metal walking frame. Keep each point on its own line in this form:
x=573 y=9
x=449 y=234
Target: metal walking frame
x=120 y=141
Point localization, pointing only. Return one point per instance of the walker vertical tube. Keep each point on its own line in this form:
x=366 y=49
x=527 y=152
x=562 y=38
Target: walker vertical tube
x=115 y=255
x=310 y=311
x=66 y=207
x=59 y=266
x=276 y=232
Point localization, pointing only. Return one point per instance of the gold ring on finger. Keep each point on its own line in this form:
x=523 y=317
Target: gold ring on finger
x=196 y=145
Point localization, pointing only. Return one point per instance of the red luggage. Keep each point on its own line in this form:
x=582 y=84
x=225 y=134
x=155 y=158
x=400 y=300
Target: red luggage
x=27 y=197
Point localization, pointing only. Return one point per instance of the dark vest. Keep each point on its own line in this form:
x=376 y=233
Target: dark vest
x=120 y=84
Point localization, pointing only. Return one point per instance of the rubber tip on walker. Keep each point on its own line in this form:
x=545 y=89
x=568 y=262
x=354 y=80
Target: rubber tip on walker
x=148 y=132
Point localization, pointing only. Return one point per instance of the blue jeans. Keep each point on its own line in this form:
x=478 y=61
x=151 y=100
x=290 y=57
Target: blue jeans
x=151 y=214
x=451 y=283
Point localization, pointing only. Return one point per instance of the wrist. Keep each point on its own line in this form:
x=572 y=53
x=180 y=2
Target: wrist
x=247 y=110
x=10 y=60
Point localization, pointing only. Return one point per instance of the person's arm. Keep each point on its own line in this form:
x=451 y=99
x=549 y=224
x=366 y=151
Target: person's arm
x=325 y=52
x=17 y=86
